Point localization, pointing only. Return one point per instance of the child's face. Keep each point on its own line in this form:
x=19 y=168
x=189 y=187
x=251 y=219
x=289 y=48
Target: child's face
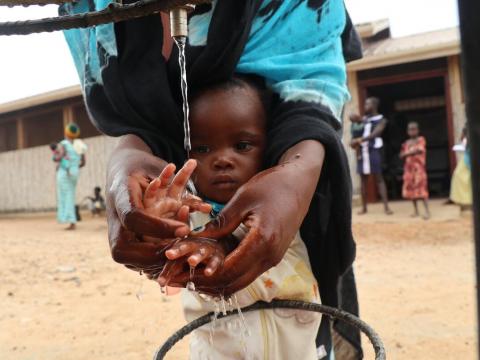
x=228 y=140
x=412 y=130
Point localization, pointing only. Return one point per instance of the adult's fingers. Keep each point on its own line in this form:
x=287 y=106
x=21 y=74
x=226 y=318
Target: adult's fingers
x=139 y=222
x=177 y=187
x=127 y=250
x=171 y=269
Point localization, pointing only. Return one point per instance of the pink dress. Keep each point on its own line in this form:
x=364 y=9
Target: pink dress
x=415 y=180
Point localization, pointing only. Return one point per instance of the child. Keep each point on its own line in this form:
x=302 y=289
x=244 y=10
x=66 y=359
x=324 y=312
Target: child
x=97 y=202
x=225 y=163
x=60 y=158
x=356 y=132
x=415 y=182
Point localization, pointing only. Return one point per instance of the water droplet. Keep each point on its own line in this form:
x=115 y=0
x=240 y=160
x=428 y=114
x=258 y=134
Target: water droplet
x=223 y=305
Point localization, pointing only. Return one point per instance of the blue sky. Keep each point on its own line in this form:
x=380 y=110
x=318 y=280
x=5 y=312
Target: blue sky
x=38 y=63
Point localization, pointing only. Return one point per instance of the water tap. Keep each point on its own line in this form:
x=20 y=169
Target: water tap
x=179 y=20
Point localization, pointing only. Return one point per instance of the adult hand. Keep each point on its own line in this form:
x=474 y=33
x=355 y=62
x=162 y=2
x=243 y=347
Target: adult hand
x=272 y=205
x=131 y=168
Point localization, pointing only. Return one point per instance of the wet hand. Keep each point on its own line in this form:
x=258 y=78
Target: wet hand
x=193 y=253
x=130 y=171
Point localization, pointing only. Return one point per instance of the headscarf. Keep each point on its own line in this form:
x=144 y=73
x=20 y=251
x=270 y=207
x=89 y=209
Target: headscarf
x=72 y=131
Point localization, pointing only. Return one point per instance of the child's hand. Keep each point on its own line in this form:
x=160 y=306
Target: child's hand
x=195 y=251
x=166 y=198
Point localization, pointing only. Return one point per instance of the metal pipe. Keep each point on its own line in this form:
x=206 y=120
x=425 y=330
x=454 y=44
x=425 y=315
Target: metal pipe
x=470 y=28
x=12 y=3
x=113 y=13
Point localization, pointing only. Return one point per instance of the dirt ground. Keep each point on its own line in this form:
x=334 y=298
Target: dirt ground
x=63 y=297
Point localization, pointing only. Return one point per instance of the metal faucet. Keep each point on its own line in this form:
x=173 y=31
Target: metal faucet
x=179 y=18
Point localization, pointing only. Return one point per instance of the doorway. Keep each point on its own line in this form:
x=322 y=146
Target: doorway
x=425 y=101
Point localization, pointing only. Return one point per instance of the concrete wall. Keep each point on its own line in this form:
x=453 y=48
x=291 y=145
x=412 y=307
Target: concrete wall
x=28 y=176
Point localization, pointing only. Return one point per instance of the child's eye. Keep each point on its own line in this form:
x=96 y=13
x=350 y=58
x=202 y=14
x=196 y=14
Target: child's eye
x=201 y=149
x=243 y=146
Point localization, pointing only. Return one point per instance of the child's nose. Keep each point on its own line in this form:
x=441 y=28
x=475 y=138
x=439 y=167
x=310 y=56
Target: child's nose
x=222 y=162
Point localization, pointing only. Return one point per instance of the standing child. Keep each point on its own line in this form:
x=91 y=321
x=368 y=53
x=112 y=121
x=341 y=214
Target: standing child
x=415 y=181
x=224 y=163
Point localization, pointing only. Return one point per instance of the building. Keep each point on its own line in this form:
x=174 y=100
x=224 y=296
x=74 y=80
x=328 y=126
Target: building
x=416 y=77
x=27 y=127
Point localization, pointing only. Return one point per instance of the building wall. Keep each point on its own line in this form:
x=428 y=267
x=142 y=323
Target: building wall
x=353 y=106
x=28 y=175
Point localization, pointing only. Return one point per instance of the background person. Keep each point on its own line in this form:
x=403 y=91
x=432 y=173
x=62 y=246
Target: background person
x=67 y=176
x=371 y=144
x=461 y=187
x=415 y=180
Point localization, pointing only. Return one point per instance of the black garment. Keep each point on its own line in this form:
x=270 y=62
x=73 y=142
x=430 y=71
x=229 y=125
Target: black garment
x=137 y=98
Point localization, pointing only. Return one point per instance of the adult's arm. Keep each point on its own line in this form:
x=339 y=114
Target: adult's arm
x=83 y=160
x=131 y=167
x=378 y=131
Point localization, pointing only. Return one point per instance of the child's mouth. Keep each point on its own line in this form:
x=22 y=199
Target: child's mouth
x=224 y=182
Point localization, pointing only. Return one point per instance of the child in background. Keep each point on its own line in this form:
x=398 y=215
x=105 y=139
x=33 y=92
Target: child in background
x=97 y=202
x=225 y=163
x=356 y=132
x=415 y=181
x=60 y=159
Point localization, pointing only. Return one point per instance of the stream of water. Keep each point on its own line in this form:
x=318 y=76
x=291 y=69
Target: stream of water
x=220 y=304
x=181 y=43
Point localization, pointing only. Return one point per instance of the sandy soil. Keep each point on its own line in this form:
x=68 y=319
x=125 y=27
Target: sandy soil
x=63 y=297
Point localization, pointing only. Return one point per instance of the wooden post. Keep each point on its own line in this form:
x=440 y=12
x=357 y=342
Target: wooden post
x=21 y=140
x=67 y=115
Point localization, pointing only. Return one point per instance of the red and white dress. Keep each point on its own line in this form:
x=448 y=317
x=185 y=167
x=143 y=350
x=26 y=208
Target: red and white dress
x=415 y=180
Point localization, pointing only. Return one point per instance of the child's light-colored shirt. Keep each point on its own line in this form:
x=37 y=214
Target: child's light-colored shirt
x=274 y=334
